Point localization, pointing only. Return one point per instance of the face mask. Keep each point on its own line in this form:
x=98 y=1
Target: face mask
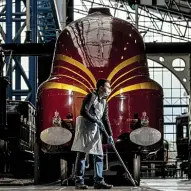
x=106 y=93
x=105 y=90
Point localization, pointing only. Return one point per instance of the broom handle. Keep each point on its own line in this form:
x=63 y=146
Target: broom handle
x=120 y=159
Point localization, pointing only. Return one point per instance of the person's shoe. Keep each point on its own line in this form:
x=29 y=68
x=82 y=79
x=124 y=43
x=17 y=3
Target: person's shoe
x=102 y=185
x=81 y=187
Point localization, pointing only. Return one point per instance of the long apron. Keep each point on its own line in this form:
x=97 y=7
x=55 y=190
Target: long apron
x=87 y=134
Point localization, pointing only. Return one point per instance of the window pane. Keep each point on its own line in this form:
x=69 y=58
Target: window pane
x=168 y=110
x=167 y=92
x=169 y=129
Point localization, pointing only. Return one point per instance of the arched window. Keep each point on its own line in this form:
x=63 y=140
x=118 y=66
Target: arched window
x=175 y=100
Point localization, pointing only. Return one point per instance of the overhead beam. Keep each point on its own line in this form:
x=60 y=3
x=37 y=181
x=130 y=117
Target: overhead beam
x=169 y=48
x=43 y=49
x=32 y=49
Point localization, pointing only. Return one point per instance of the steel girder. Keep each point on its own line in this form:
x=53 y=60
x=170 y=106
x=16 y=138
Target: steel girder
x=15 y=13
x=47 y=22
x=171 y=20
x=52 y=16
x=183 y=72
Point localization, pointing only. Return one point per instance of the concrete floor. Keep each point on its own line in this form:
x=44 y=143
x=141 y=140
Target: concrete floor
x=168 y=184
x=58 y=188
x=146 y=185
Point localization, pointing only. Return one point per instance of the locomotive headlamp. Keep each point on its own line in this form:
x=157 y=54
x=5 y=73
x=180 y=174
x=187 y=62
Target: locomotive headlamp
x=56 y=136
x=145 y=136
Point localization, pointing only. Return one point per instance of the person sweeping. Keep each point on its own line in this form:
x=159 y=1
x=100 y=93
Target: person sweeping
x=88 y=135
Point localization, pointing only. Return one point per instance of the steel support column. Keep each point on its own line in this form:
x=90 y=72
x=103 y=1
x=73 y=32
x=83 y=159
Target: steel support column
x=33 y=59
x=189 y=126
x=18 y=40
x=70 y=12
x=13 y=35
x=8 y=39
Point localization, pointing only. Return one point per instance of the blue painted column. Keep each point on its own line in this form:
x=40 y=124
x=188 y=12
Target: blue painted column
x=17 y=71
x=33 y=59
x=8 y=39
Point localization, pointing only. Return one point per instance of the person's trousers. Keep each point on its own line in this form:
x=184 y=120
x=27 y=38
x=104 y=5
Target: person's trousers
x=80 y=168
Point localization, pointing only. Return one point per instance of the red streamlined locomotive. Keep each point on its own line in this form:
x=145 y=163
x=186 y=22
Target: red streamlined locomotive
x=99 y=46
